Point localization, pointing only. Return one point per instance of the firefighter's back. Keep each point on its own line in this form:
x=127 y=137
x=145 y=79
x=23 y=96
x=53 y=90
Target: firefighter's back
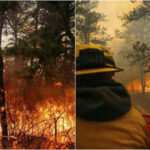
x=128 y=131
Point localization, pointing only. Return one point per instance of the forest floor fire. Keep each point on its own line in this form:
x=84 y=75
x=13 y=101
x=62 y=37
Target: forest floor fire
x=139 y=99
x=50 y=125
x=135 y=86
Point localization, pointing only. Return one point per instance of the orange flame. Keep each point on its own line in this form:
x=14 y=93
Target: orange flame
x=52 y=118
x=136 y=86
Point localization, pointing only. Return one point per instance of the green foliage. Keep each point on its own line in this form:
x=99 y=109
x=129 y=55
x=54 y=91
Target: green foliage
x=87 y=27
x=36 y=58
x=47 y=48
x=64 y=15
x=141 y=53
x=137 y=33
x=137 y=13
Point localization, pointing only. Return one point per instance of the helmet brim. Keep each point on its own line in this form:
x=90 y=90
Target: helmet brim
x=98 y=70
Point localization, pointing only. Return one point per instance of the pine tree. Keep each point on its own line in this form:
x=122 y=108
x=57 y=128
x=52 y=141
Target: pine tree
x=141 y=50
x=87 y=26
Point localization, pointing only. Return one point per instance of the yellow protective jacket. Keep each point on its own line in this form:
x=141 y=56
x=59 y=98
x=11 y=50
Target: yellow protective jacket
x=126 y=132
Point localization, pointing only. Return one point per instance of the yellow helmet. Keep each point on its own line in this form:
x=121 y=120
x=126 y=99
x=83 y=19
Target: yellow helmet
x=94 y=58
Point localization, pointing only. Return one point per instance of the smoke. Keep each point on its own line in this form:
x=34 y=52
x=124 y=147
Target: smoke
x=121 y=45
x=124 y=36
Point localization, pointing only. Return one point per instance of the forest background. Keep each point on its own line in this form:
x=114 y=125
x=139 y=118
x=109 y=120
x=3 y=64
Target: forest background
x=123 y=28
x=37 y=74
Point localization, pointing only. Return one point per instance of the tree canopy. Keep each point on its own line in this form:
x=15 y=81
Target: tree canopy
x=88 y=26
x=43 y=36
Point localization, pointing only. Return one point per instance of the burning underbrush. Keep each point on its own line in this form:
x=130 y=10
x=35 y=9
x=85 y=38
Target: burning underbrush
x=135 y=85
x=50 y=125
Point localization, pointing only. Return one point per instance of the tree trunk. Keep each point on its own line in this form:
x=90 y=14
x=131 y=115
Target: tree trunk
x=142 y=79
x=2 y=96
x=143 y=56
x=132 y=87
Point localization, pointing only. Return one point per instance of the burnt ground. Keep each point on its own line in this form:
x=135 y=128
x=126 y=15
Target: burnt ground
x=141 y=102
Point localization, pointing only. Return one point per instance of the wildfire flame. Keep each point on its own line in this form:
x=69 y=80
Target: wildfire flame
x=52 y=119
x=136 y=85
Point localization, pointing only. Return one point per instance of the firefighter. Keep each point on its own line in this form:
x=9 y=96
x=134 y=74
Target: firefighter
x=105 y=117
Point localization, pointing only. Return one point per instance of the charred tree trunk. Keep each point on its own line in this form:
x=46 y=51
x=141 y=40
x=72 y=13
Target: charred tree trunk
x=2 y=96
